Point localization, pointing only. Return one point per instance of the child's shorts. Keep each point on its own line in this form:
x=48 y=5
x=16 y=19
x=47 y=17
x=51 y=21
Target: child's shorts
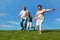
x=29 y=24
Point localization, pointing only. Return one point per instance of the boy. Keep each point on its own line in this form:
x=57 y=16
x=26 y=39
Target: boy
x=29 y=21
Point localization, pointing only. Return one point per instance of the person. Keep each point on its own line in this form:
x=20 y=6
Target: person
x=23 y=21
x=40 y=16
x=29 y=21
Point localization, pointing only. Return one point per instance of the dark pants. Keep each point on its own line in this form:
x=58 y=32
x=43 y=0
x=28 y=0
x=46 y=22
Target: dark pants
x=23 y=24
x=31 y=27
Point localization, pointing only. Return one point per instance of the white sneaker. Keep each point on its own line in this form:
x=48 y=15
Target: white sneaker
x=40 y=32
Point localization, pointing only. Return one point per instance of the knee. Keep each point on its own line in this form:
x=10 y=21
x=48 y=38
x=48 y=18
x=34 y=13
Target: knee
x=20 y=22
x=25 y=22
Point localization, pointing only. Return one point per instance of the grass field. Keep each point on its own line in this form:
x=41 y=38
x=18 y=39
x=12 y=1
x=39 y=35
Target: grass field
x=32 y=35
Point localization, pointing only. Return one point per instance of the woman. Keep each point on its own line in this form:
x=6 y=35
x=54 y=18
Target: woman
x=40 y=16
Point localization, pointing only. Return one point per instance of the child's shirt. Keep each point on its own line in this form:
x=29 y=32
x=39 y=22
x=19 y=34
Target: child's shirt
x=29 y=19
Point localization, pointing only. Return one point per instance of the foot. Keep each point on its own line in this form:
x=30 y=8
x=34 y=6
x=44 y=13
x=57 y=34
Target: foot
x=28 y=30
x=40 y=32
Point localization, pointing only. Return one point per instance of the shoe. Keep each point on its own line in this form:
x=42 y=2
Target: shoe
x=40 y=32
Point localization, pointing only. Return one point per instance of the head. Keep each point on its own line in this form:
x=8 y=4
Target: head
x=24 y=8
x=39 y=7
x=28 y=14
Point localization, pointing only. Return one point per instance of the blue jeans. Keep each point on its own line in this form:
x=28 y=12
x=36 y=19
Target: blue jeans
x=23 y=23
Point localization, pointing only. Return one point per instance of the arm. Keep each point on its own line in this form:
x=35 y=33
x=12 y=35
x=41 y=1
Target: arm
x=20 y=14
x=48 y=10
x=36 y=17
x=37 y=14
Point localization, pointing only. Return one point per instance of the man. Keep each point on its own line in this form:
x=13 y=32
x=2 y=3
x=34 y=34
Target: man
x=23 y=21
x=40 y=16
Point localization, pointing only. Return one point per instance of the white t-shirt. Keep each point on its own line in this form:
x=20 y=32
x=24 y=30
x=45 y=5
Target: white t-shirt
x=41 y=13
x=23 y=14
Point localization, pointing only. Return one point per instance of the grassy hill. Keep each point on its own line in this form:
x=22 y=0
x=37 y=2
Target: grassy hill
x=32 y=35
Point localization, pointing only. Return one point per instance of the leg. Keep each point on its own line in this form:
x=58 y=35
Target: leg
x=28 y=25
x=21 y=23
x=33 y=27
x=40 y=26
x=25 y=24
x=28 y=28
x=37 y=24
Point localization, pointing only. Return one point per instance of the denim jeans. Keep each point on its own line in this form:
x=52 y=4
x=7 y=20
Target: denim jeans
x=23 y=23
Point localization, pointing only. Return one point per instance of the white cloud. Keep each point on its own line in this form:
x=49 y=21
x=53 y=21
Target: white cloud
x=2 y=14
x=6 y=26
x=51 y=27
x=58 y=19
x=13 y=22
x=9 y=27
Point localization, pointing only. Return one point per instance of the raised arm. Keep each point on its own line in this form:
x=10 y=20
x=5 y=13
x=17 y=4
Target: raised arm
x=48 y=10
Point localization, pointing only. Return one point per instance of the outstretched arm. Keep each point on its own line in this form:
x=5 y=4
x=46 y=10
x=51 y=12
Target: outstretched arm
x=48 y=10
x=19 y=15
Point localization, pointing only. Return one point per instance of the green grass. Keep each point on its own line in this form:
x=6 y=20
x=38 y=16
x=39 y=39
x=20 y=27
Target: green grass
x=32 y=35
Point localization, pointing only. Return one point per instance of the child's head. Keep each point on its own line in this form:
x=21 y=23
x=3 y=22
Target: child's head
x=28 y=14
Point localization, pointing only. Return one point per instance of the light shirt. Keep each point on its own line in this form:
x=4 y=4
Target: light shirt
x=23 y=14
x=41 y=13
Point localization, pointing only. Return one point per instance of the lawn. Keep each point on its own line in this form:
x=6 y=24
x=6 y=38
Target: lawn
x=32 y=35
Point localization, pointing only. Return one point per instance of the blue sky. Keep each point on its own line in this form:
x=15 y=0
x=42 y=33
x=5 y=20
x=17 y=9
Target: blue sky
x=9 y=10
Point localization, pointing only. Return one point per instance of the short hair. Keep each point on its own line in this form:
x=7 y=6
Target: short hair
x=24 y=7
x=40 y=6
